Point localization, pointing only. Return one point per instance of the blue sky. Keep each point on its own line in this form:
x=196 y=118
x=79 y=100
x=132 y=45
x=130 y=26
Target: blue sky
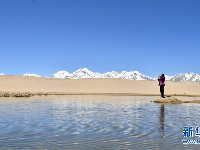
x=150 y=36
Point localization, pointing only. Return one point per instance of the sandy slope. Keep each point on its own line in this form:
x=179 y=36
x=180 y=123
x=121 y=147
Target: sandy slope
x=35 y=84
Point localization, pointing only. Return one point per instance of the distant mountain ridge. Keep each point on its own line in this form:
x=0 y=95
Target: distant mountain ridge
x=131 y=75
x=85 y=73
x=185 y=77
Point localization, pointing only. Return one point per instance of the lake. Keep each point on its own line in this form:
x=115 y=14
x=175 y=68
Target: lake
x=95 y=122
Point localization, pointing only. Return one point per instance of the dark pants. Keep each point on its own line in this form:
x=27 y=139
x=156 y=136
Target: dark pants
x=162 y=90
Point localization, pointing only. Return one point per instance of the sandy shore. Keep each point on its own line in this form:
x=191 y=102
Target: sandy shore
x=20 y=86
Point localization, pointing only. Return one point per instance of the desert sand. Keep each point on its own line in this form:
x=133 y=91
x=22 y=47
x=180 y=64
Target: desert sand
x=20 y=86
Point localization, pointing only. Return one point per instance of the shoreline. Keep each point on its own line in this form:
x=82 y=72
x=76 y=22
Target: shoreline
x=30 y=94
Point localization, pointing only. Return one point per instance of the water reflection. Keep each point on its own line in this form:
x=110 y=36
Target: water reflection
x=161 y=127
x=161 y=121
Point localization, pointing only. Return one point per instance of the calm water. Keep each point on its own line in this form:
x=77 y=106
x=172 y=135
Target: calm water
x=87 y=122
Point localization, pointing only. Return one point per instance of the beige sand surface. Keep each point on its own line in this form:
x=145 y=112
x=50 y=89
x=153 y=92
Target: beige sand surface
x=95 y=86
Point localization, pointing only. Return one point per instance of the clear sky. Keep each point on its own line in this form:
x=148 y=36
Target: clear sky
x=150 y=36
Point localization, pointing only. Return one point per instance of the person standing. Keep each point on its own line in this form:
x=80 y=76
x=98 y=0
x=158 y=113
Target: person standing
x=161 y=80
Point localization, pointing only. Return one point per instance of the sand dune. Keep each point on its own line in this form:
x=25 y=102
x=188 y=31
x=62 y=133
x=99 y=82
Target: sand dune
x=101 y=86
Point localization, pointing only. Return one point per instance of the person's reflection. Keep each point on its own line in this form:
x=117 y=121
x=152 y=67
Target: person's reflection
x=161 y=126
x=161 y=121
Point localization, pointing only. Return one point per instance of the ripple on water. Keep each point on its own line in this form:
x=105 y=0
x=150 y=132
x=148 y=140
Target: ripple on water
x=68 y=123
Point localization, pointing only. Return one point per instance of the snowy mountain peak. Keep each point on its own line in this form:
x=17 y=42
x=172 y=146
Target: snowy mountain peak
x=1 y=74
x=61 y=75
x=84 y=73
x=83 y=70
x=190 y=76
x=31 y=75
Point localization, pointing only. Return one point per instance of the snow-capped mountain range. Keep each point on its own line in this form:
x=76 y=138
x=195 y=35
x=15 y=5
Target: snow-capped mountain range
x=131 y=75
x=85 y=73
